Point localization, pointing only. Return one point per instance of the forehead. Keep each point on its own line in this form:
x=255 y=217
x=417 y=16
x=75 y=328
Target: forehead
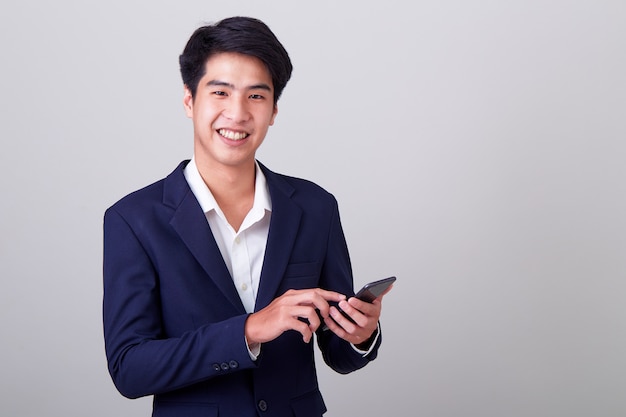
x=233 y=66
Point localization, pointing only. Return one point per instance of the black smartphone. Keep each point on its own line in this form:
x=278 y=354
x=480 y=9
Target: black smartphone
x=368 y=293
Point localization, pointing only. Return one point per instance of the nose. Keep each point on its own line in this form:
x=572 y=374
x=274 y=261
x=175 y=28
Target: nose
x=237 y=109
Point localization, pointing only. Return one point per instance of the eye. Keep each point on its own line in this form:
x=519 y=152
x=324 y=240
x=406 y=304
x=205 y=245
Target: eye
x=219 y=93
x=257 y=97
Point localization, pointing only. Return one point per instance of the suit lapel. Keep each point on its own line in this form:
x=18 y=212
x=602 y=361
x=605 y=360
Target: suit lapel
x=282 y=235
x=191 y=225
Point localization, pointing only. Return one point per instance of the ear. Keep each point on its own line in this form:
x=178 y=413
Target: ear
x=188 y=102
x=274 y=113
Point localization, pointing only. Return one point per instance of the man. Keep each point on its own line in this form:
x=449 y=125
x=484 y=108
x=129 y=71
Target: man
x=216 y=277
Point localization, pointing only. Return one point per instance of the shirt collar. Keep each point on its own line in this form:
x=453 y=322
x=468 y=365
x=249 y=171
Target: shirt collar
x=262 y=200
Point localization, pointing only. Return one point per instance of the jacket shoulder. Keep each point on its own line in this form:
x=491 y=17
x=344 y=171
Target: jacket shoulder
x=298 y=188
x=155 y=193
x=149 y=193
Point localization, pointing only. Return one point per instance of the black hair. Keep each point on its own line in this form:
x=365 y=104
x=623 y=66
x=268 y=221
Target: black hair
x=244 y=35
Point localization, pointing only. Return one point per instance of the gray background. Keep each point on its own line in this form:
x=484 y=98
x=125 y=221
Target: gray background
x=476 y=149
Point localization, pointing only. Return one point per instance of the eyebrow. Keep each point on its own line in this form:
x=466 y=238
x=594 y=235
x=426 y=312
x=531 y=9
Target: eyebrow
x=260 y=86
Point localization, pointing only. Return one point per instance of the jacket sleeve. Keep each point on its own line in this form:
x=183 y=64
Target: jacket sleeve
x=337 y=275
x=142 y=359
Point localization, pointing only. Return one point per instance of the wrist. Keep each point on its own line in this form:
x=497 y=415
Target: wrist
x=367 y=344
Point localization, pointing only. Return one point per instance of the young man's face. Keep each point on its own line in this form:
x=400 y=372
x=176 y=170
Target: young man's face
x=232 y=110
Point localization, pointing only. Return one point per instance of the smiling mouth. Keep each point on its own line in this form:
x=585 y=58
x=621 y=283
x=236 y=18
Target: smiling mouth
x=232 y=135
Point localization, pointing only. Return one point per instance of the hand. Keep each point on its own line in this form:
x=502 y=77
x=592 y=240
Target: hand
x=364 y=314
x=285 y=313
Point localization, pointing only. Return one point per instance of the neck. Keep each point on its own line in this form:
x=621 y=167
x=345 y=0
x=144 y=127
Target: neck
x=232 y=188
x=228 y=179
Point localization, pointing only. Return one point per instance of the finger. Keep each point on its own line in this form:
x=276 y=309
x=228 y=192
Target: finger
x=311 y=296
x=352 y=333
x=342 y=321
x=330 y=295
x=322 y=298
x=368 y=309
x=358 y=316
x=308 y=315
x=317 y=298
x=314 y=293
x=335 y=328
x=302 y=328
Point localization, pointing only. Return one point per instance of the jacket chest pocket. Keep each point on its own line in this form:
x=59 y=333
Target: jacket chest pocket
x=301 y=275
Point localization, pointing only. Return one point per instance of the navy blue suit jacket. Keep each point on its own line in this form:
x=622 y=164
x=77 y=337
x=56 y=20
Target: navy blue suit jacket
x=174 y=322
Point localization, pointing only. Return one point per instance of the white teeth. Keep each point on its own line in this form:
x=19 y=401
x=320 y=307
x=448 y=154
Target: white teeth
x=229 y=134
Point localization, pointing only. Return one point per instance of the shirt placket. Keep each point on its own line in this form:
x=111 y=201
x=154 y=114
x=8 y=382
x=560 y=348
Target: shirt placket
x=241 y=271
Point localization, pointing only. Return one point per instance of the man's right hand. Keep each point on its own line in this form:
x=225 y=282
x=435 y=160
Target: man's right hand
x=285 y=313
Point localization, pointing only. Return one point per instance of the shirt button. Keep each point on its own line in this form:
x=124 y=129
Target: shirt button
x=244 y=287
x=262 y=405
x=237 y=240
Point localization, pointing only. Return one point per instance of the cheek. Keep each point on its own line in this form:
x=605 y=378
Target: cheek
x=205 y=117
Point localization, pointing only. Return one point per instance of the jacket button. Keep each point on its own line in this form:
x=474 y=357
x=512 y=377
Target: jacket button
x=225 y=366
x=233 y=364
x=217 y=367
x=262 y=405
